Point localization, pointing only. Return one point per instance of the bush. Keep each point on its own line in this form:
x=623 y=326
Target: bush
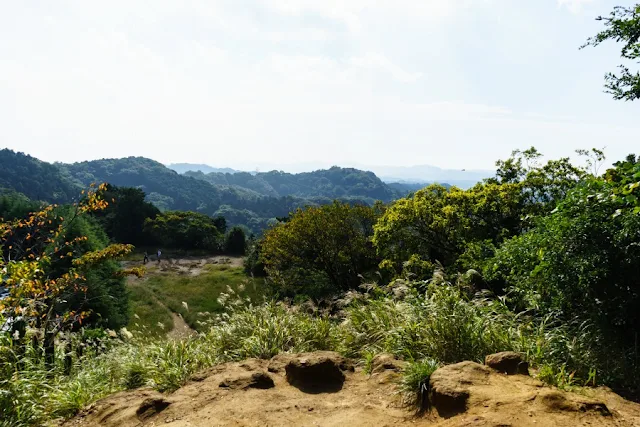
x=321 y=251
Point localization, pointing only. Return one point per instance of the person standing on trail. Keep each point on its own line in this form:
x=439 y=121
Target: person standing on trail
x=159 y=254
x=146 y=258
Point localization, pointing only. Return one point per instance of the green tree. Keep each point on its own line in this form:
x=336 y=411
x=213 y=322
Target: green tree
x=123 y=220
x=105 y=298
x=253 y=263
x=623 y=26
x=582 y=260
x=235 y=242
x=48 y=270
x=437 y=224
x=185 y=230
x=14 y=205
x=321 y=250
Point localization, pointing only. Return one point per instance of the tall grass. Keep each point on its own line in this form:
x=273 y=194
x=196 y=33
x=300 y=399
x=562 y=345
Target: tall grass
x=201 y=292
x=426 y=324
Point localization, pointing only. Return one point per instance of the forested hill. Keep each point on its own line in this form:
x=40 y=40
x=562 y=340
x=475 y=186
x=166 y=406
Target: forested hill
x=242 y=198
x=35 y=179
x=333 y=183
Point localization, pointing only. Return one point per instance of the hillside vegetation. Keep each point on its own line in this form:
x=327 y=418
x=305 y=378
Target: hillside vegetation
x=243 y=199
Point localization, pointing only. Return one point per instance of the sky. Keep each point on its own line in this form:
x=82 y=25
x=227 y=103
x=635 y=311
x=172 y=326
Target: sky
x=256 y=84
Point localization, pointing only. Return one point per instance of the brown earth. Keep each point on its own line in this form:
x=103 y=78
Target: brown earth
x=323 y=389
x=190 y=265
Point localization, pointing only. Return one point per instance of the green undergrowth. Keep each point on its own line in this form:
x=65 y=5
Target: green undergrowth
x=198 y=297
x=148 y=315
x=440 y=325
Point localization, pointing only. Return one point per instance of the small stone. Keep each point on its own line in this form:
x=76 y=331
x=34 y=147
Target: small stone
x=508 y=362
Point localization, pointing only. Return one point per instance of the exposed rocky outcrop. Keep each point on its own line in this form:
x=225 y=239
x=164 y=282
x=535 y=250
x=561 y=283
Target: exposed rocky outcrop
x=287 y=390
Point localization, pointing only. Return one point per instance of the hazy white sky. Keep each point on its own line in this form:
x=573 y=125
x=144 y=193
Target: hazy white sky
x=244 y=83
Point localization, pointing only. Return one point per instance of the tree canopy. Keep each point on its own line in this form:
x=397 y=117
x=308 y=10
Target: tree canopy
x=622 y=26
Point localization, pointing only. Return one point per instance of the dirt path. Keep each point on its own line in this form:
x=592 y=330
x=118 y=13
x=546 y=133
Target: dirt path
x=188 y=265
x=180 y=329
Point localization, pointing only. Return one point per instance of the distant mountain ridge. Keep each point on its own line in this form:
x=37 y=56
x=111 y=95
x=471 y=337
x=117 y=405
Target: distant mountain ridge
x=182 y=168
x=333 y=183
x=253 y=200
x=411 y=175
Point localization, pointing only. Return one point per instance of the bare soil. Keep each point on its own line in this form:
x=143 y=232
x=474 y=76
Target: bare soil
x=184 y=265
x=254 y=393
x=180 y=328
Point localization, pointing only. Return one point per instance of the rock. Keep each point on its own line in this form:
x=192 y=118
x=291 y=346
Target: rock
x=319 y=372
x=278 y=362
x=386 y=362
x=449 y=389
x=260 y=380
x=507 y=362
x=556 y=401
x=150 y=407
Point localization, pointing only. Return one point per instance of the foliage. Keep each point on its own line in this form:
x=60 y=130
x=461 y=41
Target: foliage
x=623 y=26
x=15 y=205
x=235 y=242
x=253 y=264
x=333 y=183
x=320 y=251
x=598 y=240
x=185 y=230
x=123 y=219
x=437 y=224
x=106 y=298
x=44 y=267
x=35 y=179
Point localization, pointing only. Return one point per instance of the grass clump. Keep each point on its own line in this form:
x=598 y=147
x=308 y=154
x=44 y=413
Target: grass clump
x=414 y=384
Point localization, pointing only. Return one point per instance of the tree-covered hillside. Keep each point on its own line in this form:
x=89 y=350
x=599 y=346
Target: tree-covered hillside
x=335 y=182
x=35 y=179
x=242 y=198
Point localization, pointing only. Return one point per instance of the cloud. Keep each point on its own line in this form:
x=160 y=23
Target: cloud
x=228 y=82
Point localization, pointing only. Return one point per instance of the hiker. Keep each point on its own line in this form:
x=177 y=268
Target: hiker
x=146 y=258
x=159 y=254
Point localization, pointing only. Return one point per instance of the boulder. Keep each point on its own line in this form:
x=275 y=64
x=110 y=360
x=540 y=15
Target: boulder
x=260 y=380
x=507 y=362
x=386 y=362
x=150 y=407
x=319 y=372
x=449 y=386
